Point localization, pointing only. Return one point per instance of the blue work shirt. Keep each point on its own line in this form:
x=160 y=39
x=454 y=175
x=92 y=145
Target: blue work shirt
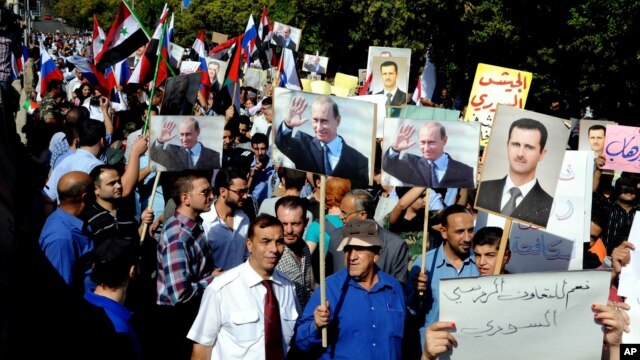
x=363 y=324
x=436 y=270
x=119 y=316
x=67 y=247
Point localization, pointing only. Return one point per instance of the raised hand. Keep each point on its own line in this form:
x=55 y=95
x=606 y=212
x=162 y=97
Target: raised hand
x=403 y=138
x=165 y=133
x=294 y=115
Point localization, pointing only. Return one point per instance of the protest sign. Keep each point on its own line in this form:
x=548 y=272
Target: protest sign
x=495 y=85
x=543 y=315
x=622 y=148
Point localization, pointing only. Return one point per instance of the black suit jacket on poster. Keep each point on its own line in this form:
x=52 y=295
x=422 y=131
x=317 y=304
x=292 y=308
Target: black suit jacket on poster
x=535 y=208
x=411 y=170
x=174 y=157
x=312 y=68
x=306 y=153
x=280 y=42
x=398 y=99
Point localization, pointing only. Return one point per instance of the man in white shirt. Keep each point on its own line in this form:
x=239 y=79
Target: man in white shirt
x=249 y=312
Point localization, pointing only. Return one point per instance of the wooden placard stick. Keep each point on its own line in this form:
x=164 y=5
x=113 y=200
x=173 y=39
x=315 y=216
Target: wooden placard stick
x=321 y=247
x=425 y=235
x=503 y=246
x=150 y=206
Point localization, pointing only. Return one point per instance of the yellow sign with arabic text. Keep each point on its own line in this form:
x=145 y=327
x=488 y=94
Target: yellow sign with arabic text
x=495 y=85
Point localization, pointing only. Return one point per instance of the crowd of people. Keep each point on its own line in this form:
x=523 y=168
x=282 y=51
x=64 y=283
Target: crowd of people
x=224 y=263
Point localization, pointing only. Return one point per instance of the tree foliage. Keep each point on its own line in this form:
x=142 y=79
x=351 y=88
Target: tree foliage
x=576 y=49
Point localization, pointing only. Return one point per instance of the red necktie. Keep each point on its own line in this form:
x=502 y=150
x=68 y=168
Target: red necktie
x=272 y=326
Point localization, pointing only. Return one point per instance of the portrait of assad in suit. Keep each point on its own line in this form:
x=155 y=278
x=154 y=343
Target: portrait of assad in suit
x=190 y=154
x=519 y=194
x=389 y=75
x=434 y=167
x=324 y=152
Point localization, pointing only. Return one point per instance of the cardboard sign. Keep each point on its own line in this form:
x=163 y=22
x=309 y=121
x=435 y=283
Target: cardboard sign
x=543 y=315
x=495 y=85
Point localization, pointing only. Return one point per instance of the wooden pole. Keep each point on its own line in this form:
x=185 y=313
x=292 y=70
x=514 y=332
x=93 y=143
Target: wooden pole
x=425 y=235
x=503 y=246
x=150 y=205
x=321 y=247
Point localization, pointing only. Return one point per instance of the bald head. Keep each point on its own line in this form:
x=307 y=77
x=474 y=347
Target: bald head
x=72 y=186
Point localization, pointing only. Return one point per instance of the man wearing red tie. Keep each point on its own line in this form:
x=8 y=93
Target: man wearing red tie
x=249 y=312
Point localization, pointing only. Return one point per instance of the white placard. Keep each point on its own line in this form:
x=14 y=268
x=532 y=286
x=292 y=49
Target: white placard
x=559 y=247
x=535 y=315
x=629 y=284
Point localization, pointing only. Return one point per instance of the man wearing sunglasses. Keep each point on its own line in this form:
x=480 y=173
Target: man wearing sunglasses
x=184 y=262
x=226 y=226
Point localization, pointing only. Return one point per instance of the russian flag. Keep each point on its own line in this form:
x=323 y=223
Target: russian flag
x=98 y=38
x=198 y=47
x=118 y=74
x=249 y=38
x=48 y=70
x=288 y=73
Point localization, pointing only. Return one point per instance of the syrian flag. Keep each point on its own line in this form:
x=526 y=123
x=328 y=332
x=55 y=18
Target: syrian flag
x=249 y=38
x=198 y=48
x=98 y=38
x=427 y=83
x=48 y=70
x=125 y=36
x=143 y=72
x=288 y=73
x=265 y=54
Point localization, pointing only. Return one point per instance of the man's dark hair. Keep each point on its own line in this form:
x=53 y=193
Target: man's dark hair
x=113 y=259
x=98 y=170
x=294 y=179
x=259 y=138
x=530 y=124
x=53 y=83
x=389 y=63
x=450 y=210
x=363 y=201
x=597 y=127
x=622 y=184
x=267 y=101
x=244 y=120
x=292 y=203
x=91 y=132
x=73 y=118
x=232 y=126
x=488 y=235
x=225 y=178
x=262 y=221
x=184 y=184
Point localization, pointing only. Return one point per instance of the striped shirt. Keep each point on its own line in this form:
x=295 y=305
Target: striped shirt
x=184 y=261
x=617 y=224
x=106 y=226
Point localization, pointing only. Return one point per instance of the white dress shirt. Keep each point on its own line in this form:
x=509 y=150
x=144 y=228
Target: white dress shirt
x=524 y=189
x=231 y=315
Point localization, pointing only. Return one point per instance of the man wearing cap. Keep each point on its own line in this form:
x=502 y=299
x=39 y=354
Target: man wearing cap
x=365 y=310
